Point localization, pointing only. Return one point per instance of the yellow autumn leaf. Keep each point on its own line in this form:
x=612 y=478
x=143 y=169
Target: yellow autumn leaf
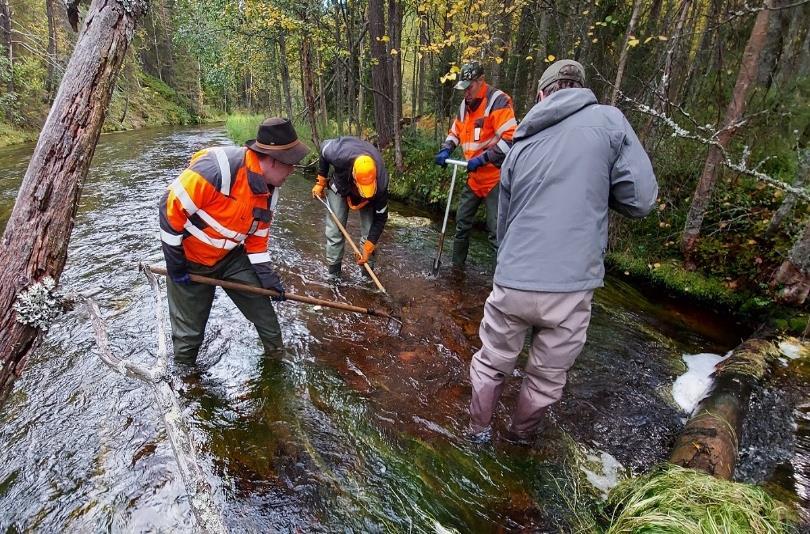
x=632 y=42
x=550 y=58
x=594 y=40
x=586 y=12
x=656 y=265
x=498 y=60
x=529 y=58
x=394 y=52
x=647 y=40
x=455 y=68
x=385 y=38
x=663 y=38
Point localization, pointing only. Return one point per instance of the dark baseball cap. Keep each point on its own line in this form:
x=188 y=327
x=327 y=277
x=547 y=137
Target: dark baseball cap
x=469 y=72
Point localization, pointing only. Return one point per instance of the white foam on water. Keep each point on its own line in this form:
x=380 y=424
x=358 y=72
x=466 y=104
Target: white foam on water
x=609 y=477
x=692 y=387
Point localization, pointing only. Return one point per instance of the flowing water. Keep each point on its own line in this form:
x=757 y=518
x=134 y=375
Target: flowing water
x=354 y=429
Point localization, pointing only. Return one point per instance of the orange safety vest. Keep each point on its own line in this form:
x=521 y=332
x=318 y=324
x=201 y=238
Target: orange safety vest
x=491 y=123
x=218 y=203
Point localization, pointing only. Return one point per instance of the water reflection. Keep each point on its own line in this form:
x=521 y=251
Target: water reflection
x=351 y=428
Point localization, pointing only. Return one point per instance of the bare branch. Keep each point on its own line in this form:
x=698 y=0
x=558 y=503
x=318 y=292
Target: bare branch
x=199 y=491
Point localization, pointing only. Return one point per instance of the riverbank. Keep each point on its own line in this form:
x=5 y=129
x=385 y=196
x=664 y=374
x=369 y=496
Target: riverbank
x=146 y=104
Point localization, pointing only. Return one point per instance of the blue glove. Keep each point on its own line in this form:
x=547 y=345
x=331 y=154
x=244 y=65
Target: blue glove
x=270 y=280
x=476 y=162
x=181 y=278
x=442 y=156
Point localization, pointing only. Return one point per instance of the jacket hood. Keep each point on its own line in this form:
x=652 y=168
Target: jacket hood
x=555 y=108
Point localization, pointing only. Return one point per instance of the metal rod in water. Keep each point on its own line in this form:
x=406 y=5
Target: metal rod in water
x=456 y=164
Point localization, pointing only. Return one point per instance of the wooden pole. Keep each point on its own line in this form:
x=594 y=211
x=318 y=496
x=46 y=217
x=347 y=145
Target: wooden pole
x=271 y=293
x=354 y=247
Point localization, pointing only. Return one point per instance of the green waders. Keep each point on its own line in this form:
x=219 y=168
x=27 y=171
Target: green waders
x=465 y=215
x=335 y=243
x=190 y=305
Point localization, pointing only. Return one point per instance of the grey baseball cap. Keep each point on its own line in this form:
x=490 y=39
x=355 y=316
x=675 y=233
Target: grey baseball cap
x=554 y=73
x=469 y=72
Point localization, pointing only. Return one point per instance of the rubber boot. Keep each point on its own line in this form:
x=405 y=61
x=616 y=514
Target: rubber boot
x=334 y=272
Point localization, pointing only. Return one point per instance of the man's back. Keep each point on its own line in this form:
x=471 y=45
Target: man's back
x=571 y=159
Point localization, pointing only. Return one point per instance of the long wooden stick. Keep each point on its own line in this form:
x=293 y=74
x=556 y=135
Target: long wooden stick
x=271 y=293
x=354 y=247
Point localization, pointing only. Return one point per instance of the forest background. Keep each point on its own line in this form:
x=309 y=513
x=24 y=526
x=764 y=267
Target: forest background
x=717 y=90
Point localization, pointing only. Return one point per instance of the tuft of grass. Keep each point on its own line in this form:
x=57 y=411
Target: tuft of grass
x=672 y=499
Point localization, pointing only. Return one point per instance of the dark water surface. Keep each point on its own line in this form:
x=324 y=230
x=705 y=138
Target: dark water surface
x=354 y=429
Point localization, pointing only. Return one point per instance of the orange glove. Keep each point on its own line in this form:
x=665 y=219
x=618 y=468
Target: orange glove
x=320 y=185
x=368 y=248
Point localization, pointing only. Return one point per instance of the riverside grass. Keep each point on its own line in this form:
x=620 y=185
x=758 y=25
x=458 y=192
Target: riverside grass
x=672 y=499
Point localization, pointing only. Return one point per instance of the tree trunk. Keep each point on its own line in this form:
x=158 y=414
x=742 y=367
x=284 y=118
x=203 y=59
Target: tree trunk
x=742 y=90
x=661 y=97
x=802 y=173
x=794 y=273
x=5 y=30
x=423 y=41
x=710 y=440
x=380 y=74
x=36 y=238
x=395 y=53
x=51 y=79
x=631 y=28
x=285 y=74
x=308 y=88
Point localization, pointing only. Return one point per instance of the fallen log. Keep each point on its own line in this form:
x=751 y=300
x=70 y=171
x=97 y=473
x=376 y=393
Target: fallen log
x=710 y=440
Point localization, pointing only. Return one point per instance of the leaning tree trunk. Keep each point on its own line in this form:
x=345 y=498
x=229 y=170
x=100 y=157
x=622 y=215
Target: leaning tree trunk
x=617 y=85
x=742 y=90
x=35 y=242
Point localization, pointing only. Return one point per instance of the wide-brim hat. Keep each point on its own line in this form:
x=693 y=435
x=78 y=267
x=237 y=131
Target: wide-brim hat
x=277 y=138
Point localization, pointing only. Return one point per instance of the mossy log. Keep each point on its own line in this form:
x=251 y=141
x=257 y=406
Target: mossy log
x=710 y=440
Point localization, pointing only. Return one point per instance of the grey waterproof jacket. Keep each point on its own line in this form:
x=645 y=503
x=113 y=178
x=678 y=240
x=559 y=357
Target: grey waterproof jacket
x=572 y=158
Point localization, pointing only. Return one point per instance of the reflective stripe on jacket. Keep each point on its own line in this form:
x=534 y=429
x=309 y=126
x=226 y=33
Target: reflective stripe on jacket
x=486 y=130
x=219 y=202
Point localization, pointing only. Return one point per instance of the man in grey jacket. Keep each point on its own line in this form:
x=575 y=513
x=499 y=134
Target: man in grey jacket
x=572 y=159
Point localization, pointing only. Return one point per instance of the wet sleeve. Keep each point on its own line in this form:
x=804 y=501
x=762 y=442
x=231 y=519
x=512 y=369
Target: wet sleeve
x=504 y=124
x=633 y=187
x=380 y=208
x=452 y=140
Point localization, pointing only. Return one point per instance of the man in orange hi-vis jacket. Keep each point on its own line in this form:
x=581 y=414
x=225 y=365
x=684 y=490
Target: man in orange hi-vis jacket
x=483 y=127
x=215 y=221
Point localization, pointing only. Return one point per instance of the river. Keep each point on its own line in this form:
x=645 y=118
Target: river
x=354 y=429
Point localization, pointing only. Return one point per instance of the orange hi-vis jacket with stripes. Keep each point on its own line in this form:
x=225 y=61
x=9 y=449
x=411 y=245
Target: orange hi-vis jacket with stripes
x=487 y=129
x=219 y=202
